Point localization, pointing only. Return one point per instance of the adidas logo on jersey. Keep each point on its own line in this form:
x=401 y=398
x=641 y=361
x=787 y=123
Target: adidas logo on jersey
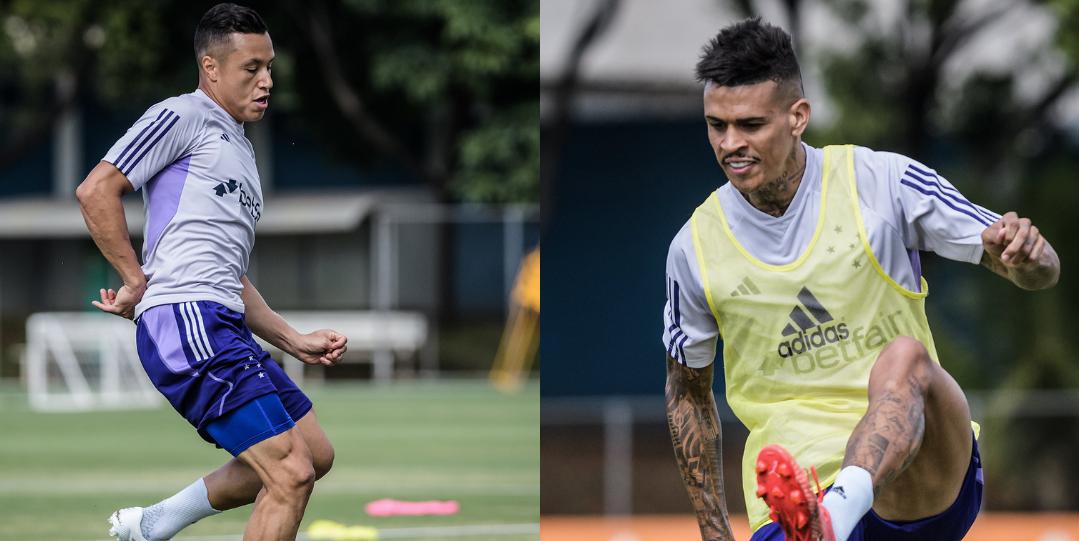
x=808 y=330
x=745 y=288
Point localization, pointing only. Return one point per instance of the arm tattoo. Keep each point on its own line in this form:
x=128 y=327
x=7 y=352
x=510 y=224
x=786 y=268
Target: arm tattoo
x=695 y=431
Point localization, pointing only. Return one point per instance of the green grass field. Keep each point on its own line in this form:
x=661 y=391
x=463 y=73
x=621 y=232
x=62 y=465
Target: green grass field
x=62 y=474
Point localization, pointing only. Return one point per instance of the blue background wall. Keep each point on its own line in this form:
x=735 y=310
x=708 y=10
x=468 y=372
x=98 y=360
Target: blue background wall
x=622 y=192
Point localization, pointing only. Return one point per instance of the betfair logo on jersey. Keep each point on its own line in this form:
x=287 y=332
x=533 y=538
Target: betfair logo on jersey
x=813 y=340
x=222 y=188
x=811 y=331
x=246 y=201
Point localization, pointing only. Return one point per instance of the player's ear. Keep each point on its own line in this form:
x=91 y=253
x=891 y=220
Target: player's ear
x=799 y=116
x=209 y=65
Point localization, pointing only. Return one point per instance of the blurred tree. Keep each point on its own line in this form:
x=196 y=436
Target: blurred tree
x=448 y=90
x=56 y=54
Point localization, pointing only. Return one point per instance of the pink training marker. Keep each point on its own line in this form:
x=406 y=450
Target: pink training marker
x=390 y=508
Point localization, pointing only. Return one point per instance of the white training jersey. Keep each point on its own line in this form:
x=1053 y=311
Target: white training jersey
x=203 y=198
x=905 y=205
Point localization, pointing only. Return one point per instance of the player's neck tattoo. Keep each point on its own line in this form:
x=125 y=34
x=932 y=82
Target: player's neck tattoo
x=774 y=197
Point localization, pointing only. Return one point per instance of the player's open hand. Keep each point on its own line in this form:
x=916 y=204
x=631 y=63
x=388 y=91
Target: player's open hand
x=1014 y=241
x=323 y=347
x=122 y=302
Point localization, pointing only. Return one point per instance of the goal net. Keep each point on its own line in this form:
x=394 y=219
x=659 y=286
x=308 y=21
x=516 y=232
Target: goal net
x=81 y=361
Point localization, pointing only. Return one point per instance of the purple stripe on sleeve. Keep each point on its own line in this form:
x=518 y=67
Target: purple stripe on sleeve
x=670 y=313
x=677 y=312
x=981 y=210
x=156 y=126
x=987 y=212
x=161 y=324
x=674 y=338
x=681 y=351
x=923 y=171
x=120 y=158
x=957 y=197
x=162 y=199
x=151 y=145
x=978 y=218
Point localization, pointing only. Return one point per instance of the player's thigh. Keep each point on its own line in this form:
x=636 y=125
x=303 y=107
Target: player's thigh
x=282 y=462
x=322 y=453
x=936 y=472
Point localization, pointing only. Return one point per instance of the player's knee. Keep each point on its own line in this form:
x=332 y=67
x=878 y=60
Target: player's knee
x=298 y=475
x=322 y=460
x=910 y=350
x=292 y=476
x=903 y=358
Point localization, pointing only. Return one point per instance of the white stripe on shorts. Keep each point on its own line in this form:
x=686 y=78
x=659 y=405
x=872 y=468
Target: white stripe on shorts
x=201 y=328
x=191 y=341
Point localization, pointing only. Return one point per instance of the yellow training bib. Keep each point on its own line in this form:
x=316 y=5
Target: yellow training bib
x=800 y=339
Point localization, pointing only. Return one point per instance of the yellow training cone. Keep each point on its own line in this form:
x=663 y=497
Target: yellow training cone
x=329 y=530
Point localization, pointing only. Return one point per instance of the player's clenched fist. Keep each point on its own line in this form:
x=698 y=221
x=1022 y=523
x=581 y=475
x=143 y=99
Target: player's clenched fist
x=323 y=347
x=1014 y=241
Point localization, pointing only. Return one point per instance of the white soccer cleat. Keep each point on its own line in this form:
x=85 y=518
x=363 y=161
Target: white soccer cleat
x=127 y=524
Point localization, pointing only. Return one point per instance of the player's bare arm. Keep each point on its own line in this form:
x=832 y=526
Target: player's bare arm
x=323 y=346
x=100 y=198
x=696 y=434
x=1016 y=250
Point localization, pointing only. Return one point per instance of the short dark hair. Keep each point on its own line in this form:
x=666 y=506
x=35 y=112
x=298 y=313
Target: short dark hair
x=749 y=52
x=221 y=21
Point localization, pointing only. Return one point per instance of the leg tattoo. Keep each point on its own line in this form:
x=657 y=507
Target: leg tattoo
x=888 y=437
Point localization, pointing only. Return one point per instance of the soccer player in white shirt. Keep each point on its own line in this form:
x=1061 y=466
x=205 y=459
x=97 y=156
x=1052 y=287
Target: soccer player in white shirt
x=194 y=307
x=806 y=262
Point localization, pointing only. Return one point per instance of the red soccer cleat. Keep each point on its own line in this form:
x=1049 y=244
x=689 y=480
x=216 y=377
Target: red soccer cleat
x=784 y=486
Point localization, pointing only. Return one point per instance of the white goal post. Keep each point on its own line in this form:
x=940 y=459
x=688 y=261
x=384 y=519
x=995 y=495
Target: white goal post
x=81 y=361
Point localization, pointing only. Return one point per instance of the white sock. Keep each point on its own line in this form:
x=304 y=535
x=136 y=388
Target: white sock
x=850 y=498
x=165 y=519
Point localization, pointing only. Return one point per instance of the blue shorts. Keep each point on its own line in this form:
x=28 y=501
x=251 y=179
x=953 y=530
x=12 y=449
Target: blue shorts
x=203 y=358
x=257 y=420
x=950 y=525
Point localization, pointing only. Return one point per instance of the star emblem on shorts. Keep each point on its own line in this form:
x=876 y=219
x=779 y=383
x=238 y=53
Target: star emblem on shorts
x=857 y=264
x=262 y=374
x=831 y=249
x=851 y=246
x=838 y=229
